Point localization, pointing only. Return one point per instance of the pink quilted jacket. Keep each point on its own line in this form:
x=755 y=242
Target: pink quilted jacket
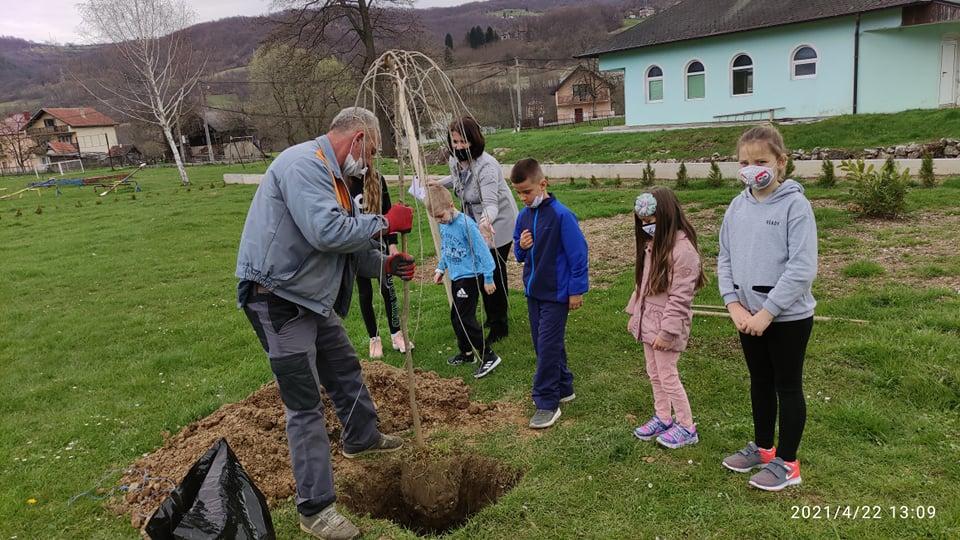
x=668 y=314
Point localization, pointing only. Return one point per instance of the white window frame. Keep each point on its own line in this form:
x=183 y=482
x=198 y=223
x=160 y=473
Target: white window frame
x=686 y=80
x=794 y=62
x=753 y=67
x=646 y=83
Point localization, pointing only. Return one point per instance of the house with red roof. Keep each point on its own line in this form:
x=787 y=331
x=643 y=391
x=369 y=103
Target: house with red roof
x=16 y=148
x=76 y=131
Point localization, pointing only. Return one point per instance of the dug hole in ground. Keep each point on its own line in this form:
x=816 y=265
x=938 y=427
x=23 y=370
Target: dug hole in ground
x=428 y=492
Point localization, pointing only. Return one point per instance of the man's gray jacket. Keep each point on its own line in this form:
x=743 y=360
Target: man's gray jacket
x=303 y=239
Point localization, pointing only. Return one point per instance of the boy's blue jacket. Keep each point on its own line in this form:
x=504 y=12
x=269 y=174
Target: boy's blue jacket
x=556 y=266
x=463 y=250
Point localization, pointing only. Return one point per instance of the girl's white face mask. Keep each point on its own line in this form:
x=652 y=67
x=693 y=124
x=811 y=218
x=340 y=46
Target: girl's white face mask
x=757 y=176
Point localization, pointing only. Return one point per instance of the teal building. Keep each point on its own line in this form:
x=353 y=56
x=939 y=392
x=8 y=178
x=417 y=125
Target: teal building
x=704 y=61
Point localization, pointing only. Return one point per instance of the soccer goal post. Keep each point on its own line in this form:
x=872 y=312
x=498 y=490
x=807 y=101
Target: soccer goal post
x=69 y=165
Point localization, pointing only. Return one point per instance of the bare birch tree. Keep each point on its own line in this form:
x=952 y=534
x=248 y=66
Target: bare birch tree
x=155 y=70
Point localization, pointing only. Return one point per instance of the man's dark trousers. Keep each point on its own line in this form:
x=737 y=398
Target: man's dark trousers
x=307 y=351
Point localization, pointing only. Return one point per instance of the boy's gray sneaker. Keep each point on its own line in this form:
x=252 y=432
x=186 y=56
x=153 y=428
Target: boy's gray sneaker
x=776 y=475
x=329 y=524
x=385 y=444
x=745 y=460
x=543 y=419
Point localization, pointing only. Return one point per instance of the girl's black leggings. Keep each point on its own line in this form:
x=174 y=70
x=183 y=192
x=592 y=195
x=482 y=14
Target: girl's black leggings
x=775 y=361
x=390 y=304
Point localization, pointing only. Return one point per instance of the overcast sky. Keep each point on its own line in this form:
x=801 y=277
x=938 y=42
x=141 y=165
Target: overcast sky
x=57 y=20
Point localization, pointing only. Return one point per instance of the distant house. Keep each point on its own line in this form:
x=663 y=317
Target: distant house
x=725 y=60
x=125 y=154
x=16 y=148
x=91 y=132
x=232 y=137
x=583 y=94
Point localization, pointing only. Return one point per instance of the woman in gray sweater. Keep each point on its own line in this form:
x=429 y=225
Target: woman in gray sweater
x=477 y=180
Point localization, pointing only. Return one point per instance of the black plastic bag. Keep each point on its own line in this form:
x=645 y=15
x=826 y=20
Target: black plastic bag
x=216 y=499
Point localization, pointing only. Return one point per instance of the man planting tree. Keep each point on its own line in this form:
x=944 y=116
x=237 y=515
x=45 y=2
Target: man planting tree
x=302 y=245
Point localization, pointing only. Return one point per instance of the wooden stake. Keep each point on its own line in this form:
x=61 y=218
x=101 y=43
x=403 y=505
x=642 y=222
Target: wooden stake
x=405 y=313
x=817 y=318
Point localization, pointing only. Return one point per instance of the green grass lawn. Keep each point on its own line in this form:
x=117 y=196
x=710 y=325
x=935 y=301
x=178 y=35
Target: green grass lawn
x=119 y=323
x=579 y=144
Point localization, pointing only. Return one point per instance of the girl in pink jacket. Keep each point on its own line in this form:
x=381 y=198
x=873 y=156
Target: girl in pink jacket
x=668 y=275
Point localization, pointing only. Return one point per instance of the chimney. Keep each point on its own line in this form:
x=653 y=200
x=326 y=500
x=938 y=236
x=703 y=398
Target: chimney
x=83 y=113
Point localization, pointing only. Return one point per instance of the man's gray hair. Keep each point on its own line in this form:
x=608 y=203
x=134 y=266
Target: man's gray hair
x=356 y=119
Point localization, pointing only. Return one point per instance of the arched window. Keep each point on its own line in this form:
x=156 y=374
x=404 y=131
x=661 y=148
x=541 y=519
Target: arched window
x=742 y=75
x=654 y=84
x=803 y=63
x=696 y=80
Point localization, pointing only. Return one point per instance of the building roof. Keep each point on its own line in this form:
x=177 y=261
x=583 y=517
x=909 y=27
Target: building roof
x=76 y=116
x=60 y=148
x=694 y=19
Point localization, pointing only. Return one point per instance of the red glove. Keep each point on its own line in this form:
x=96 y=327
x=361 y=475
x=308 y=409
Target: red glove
x=399 y=219
x=400 y=265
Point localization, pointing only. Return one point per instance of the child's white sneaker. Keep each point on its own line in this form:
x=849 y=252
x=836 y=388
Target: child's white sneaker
x=376 y=348
x=397 y=341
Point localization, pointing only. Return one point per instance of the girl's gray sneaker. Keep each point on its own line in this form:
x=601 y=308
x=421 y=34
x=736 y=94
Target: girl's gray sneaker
x=777 y=475
x=749 y=458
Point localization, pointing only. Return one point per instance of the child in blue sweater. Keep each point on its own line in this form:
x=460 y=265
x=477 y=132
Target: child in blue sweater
x=551 y=247
x=464 y=254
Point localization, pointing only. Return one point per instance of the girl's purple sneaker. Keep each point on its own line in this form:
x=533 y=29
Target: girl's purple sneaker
x=679 y=436
x=651 y=429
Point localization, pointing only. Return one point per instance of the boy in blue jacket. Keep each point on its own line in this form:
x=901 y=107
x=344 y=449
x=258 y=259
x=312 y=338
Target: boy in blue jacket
x=553 y=252
x=464 y=254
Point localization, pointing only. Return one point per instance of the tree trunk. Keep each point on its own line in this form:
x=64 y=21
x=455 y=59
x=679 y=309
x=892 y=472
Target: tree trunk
x=176 y=154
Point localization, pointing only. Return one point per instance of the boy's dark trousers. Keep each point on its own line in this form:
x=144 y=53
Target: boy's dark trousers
x=552 y=380
x=463 y=315
x=496 y=305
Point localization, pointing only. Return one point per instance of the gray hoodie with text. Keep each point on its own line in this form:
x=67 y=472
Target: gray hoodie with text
x=768 y=253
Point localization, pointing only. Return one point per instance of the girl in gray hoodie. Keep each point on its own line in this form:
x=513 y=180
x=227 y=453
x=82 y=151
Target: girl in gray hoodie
x=765 y=269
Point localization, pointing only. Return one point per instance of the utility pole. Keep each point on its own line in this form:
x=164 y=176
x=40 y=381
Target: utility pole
x=206 y=127
x=519 y=108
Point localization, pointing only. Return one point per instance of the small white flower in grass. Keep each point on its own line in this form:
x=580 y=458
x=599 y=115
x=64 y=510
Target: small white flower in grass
x=826 y=398
x=689 y=462
x=589 y=477
x=649 y=485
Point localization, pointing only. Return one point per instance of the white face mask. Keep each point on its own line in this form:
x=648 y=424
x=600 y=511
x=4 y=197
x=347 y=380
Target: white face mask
x=650 y=228
x=353 y=167
x=538 y=200
x=757 y=176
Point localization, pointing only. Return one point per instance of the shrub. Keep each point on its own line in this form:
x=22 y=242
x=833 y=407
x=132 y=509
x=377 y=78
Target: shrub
x=594 y=182
x=618 y=182
x=889 y=166
x=927 y=177
x=715 y=178
x=791 y=168
x=683 y=181
x=877 y=194
x=828 y=177
x=649 y=177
